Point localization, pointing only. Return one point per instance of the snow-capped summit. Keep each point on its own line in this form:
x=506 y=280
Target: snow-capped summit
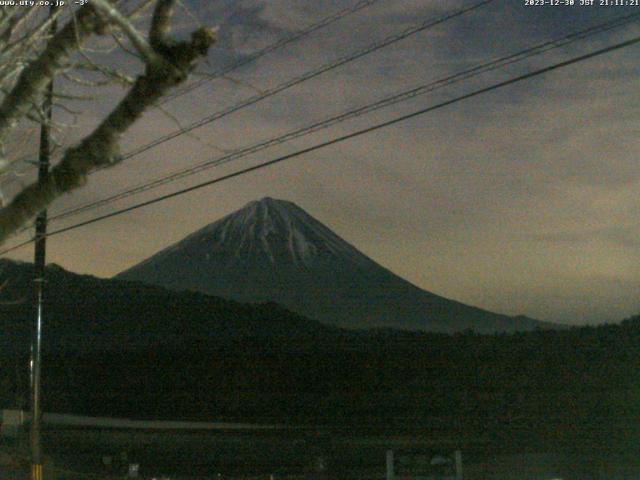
x=272 y=250
x=276 y=230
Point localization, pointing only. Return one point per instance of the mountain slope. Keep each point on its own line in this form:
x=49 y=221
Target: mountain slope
x=272 y=250
x=89 y=314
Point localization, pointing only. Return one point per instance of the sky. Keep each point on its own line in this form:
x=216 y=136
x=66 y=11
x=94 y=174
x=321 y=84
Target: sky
x=524 y=200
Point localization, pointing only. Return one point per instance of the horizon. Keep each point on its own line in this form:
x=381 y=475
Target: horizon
x=269 y=200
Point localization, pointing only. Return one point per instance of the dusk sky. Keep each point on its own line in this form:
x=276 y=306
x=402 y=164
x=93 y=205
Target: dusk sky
x=525 y=200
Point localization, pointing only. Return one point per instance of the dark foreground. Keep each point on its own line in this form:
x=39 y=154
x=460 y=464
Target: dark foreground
x=80 y=454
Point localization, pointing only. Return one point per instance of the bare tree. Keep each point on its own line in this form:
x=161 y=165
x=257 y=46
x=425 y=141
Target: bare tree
x=31 y=56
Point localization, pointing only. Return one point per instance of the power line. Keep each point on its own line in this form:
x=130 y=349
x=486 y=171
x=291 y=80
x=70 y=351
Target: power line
x=274 y=46
x=303 y=78
x=385 y=102
x=20 y=245
x=306 y=76
x=343 y=138
x=324 y=22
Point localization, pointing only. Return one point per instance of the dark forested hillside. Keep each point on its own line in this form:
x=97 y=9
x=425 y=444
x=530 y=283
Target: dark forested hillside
x=161 y=354
x=88 y=314
x=554 y=388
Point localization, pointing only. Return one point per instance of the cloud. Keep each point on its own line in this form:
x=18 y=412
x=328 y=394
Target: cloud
x=628 y=237
x=523 y=200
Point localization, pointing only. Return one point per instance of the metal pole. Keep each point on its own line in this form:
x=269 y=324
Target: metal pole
x=39 y=274
x=390 y=466
x=458 y=462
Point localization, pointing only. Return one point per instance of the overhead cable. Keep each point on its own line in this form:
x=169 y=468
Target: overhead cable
x=343 y=138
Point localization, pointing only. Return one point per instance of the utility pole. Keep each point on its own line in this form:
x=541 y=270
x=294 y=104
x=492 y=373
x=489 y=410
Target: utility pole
x=39 y=279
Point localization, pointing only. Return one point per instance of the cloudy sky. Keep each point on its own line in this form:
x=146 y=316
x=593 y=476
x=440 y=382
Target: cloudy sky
x=525 y=200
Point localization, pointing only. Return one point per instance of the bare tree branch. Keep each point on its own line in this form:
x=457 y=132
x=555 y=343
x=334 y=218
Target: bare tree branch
x=136 y=38
x=192 y=135
x=174 y=61
x=36 y=75
x=161 y=24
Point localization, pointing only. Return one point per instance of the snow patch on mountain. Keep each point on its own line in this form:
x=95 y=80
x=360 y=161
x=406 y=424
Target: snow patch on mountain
x=272 y=250
x=277 y=230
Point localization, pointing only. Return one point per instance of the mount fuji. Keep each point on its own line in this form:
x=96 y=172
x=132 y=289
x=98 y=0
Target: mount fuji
x=273 y=251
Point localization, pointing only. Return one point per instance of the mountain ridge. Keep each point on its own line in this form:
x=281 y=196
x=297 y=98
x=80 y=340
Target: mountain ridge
x=273 y=250
x=90 y=314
